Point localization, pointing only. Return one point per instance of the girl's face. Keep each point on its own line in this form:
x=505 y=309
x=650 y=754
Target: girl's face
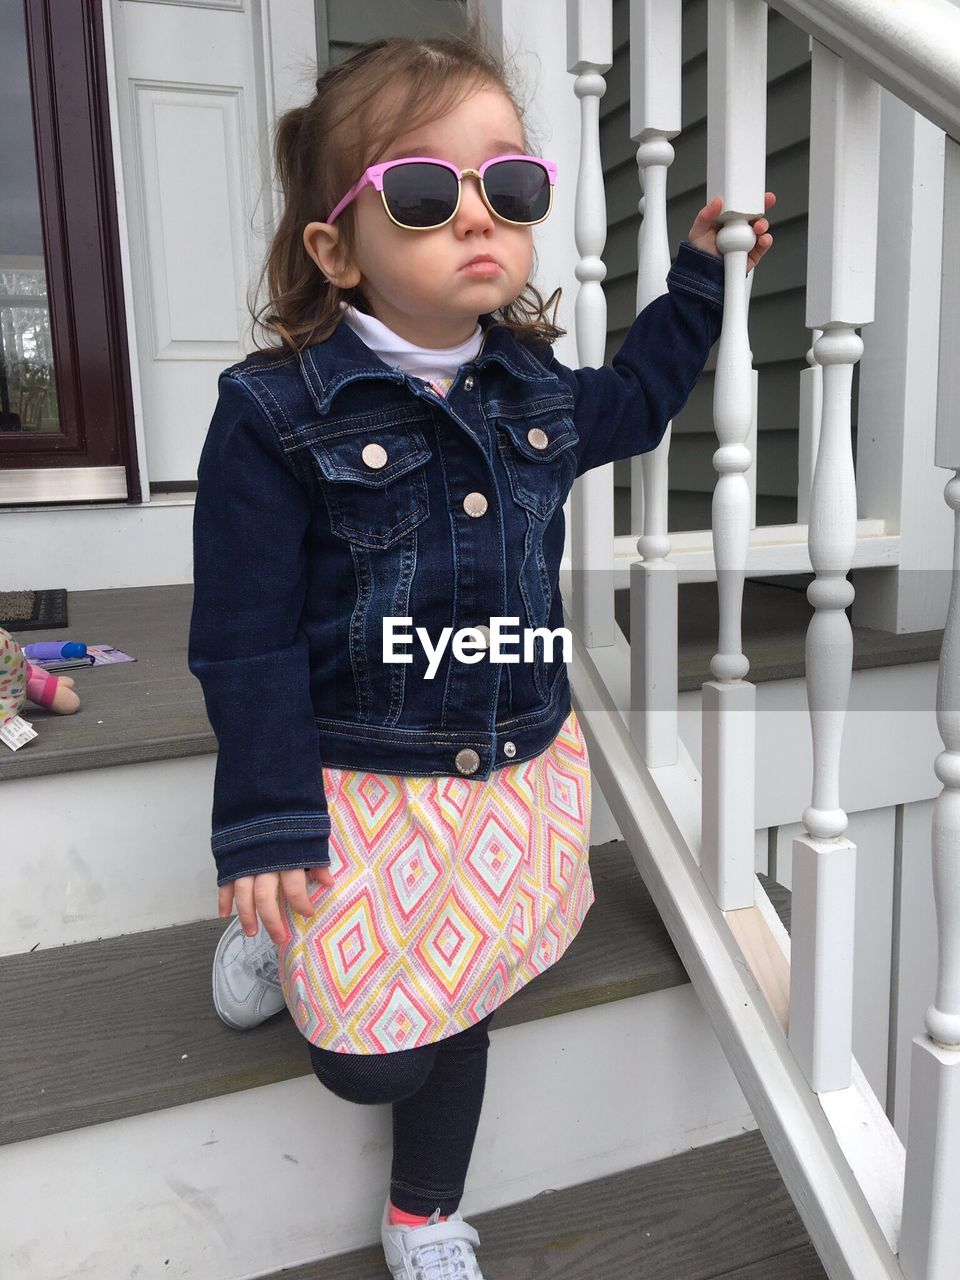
x=418 y=283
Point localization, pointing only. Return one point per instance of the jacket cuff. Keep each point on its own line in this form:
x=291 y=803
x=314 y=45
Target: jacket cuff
x=698 y=272
x=282 y=842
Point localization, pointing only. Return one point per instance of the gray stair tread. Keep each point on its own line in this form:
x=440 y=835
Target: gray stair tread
x=153 y=709
x=718 y=1211
x=775 y=621
x=102 y=1030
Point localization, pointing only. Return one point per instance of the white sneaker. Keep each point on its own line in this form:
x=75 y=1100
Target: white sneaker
x=435 y=1251
x=246 y=977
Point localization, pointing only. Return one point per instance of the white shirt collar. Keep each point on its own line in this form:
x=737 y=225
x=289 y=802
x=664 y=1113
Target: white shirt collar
x=428 y=363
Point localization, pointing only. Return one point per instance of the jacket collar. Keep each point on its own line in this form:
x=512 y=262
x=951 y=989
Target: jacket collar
x=330 y=365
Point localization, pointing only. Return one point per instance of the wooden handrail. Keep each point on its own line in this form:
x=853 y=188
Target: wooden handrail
x=912 y=49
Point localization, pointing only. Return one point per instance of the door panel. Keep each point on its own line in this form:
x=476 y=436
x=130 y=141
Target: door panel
x=190 y=80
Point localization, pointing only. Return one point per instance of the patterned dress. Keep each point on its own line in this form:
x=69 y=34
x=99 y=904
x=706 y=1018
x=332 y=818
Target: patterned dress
x=448 y=897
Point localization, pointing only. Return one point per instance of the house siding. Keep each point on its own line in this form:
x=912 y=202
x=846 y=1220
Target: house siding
x=779 y=336
x=342 y=25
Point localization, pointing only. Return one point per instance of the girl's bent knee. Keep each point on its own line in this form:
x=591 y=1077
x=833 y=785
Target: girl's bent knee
x=374 y=1077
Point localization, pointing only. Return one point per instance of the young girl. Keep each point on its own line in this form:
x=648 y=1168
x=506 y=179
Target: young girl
x=389 y=482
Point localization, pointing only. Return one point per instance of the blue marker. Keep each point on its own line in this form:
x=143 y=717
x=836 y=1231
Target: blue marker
x=49 y=650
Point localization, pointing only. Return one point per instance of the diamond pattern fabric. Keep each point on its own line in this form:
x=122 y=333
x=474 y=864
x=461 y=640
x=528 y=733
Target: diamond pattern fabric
x=449 y=896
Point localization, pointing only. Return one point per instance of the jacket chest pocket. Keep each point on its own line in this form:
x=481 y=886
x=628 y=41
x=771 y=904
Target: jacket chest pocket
x=374 y=480
x=539 y=455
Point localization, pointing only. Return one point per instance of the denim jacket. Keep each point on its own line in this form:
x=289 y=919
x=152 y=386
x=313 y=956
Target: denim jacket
x=334 y=491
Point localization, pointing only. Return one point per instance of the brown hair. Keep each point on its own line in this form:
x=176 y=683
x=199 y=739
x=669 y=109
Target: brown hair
x=321 y=148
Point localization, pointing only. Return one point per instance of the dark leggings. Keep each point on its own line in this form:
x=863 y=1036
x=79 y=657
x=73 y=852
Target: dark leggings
x=437 y=1093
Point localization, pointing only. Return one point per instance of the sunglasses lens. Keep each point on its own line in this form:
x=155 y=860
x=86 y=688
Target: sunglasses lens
x=518 y=190
x=420 y=195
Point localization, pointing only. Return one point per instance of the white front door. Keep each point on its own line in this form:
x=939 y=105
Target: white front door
x=199 y=84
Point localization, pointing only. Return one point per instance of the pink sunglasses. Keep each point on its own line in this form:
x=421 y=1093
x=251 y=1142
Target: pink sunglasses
x=421 y=193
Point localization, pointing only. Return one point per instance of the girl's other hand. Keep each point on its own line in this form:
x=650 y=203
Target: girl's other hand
x=262 y=895
x=703 y=233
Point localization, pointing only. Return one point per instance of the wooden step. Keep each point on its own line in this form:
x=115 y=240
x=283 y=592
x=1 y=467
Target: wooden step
x=103 y=1030
x=775 y=621
x=716 y=1211
x=153 y=709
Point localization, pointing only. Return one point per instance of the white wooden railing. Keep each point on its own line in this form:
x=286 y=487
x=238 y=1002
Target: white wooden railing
x=874 y=1206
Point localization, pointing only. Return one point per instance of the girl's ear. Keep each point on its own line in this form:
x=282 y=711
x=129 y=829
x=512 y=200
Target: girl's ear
x=322 y=242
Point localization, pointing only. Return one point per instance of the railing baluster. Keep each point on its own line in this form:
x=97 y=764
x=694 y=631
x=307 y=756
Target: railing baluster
x=844 y=181
x=589 y=53
x=928 y=1238
x=736 y=146
x=811 y=401
x=654 y=119
x=750 y=475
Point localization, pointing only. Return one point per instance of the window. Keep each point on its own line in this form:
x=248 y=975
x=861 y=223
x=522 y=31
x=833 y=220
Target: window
x=66 y=415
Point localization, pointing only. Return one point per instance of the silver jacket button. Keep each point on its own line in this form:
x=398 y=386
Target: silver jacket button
x=509 y=749
x=475 y=504
x=485 y=632
x=374 y=455
x=539 y=439
x=467 y=760
x=468 y=384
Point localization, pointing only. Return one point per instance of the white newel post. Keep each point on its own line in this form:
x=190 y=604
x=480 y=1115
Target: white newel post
x=930 y=1232
x=589 y=53
x=896 y=476
x=654 y=118
x=736 y=154
x=844 y=172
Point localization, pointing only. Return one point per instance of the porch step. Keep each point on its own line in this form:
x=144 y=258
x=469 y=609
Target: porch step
x=719 y=1210
x=775 y=621
x=243 y=1185
x=123 y=1026
x=153 y=709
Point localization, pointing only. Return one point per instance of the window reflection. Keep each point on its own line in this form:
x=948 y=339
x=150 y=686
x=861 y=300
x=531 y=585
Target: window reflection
x=28 y=396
